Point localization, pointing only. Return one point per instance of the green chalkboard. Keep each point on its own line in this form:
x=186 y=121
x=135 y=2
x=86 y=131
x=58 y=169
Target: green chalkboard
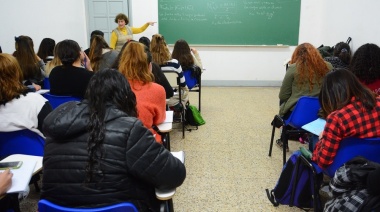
x=230 y=22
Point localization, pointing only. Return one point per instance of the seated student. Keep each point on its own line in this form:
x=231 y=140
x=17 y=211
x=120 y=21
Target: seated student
x=93 y=33
x=162 y=57
x=185 y=55
x=70 y=79
x=159 y=76
x=135 y=65
x=365 y=64
x=19 y=109
x=352 y=110
x=46 y=49
x=112 y=157
x=32 y=66
x=303 y=77
x=341 y=56
x=101 y=55
x=53 y=63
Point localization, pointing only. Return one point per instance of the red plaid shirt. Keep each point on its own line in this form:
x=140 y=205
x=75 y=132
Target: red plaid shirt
x=346 y=122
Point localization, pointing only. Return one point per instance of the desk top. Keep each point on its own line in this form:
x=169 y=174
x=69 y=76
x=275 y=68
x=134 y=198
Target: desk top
x=168 y=194
x=21 y=157
x=167 y=125
x=21 y=176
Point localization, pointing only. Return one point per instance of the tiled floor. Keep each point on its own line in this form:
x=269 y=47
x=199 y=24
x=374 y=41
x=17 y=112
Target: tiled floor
x=228 y=168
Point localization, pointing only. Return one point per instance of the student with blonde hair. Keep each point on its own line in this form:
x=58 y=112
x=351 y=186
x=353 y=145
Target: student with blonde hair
x=161 y=55
x=136 y=65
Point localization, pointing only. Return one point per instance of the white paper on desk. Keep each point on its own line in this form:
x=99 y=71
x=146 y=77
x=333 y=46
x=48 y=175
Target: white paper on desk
x=42 y=91
x=315 y=127
x=169 y=117
x=21 y=176
x=180 y=155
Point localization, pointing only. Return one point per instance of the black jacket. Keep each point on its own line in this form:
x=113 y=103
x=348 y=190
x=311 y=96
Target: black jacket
x=133 y=163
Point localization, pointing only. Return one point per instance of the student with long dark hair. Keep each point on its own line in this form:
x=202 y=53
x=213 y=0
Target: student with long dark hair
x=351 y=110
x=341 y=56
x=365 y=65
x=32 y=66
x=46 y=49
x=98 y=153
x=101 y=55
x=185 y=55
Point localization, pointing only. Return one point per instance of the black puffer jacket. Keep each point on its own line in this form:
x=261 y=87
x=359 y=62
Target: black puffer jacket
x=133 y=163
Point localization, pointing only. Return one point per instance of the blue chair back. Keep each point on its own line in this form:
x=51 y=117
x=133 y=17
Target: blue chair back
x=349 y=148
x=21 y=142
x=305 y=111
x=46 y=83
x=192 y=76
x=46 y=206
x=55 y=101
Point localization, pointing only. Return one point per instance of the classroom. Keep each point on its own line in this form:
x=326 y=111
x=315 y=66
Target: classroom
x=235 y=77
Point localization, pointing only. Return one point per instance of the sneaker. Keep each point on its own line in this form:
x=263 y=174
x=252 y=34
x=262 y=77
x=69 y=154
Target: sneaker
x=22 y=195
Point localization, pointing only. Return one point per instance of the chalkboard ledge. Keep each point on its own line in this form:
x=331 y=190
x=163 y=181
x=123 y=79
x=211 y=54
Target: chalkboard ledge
x=260 y=46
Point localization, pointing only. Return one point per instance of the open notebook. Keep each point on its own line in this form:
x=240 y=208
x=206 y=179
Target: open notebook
x=315 y=127
x=21 y=176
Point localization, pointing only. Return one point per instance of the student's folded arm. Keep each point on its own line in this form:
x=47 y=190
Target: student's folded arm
x=150 y=161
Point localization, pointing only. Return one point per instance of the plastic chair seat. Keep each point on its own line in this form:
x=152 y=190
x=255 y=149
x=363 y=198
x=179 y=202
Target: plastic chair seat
x=305 y=111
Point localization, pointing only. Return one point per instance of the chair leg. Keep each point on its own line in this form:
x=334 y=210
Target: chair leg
x=199 y=99
x=284 y=139
x=183 y=122
x=271 y=141
x=170 y=205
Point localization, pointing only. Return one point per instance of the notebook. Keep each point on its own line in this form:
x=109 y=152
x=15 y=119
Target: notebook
x=315 y=127
x=21 y=176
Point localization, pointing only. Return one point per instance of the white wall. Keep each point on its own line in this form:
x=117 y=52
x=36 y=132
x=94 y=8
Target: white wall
x=322 y=22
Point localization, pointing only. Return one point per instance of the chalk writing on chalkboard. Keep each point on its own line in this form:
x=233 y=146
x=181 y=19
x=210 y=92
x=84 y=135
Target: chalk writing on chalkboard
x=241 y=16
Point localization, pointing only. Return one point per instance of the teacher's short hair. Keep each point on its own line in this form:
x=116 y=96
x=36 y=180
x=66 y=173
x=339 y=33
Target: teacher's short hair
x=122 y=16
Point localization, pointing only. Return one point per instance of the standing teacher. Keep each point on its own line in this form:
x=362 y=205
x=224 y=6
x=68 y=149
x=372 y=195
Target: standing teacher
x=123 y=33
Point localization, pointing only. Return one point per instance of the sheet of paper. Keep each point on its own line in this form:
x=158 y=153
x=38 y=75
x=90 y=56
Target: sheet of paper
x=315 y=127
x=169 y=117
x=180 y=155
x=21 y=176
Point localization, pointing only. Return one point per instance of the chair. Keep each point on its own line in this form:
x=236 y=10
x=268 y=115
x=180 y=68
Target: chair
x=168 y=75
x=193 y=76
x=46 y=83
x=22 y=142
x=305 y=111
x=349 y=148
x=46 y=206
x=55 y=101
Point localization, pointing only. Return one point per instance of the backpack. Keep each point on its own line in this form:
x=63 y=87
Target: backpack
x=326 y=51
x=193 y=116
x=192 y=75
x=304 y=188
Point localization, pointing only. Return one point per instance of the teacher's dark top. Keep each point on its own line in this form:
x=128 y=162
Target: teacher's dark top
x=69 y=81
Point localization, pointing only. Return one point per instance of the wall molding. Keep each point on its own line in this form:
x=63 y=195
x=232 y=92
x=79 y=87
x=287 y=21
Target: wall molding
x=242 y=83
